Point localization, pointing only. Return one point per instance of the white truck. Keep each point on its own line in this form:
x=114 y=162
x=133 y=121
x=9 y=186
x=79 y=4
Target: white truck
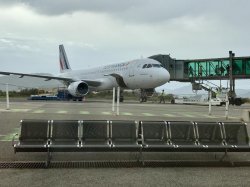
x=197 y=100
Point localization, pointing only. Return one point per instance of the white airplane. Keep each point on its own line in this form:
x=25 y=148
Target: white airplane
x=144 y=74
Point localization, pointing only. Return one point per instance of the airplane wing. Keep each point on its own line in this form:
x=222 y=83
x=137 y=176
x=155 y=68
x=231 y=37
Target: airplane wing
x=38 y=76
x=119 y=79
x=47 y=78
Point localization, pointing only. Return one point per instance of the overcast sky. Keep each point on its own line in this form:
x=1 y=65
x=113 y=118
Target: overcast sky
x=101 y=32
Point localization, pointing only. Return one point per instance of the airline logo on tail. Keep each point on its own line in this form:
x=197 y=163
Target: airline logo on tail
x=64 y=63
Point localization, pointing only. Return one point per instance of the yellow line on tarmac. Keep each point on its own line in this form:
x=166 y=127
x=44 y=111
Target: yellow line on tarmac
x=38 y=111
x=169 y=115
x=188 y=115
x=148 y=114
x=127 y=114
x=84 y=112
x=19 y=110
x=62 y=112
x=106 y=113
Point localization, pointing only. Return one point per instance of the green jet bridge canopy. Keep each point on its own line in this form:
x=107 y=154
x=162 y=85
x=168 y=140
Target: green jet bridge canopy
x=205 y=69
x=228 y=68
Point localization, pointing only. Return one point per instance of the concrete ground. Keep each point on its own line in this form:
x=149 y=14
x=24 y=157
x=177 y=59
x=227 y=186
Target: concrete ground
x=160 y=176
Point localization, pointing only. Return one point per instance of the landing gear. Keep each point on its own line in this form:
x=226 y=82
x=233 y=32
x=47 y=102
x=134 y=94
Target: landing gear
x=143 y=99
x=143 y=96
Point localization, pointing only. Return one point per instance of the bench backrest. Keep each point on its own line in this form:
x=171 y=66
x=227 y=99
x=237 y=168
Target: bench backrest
x=95 y=130
x=209 y=133
x=154 y=131
x=182 y=132
x=64 y=130
x=32 y=129
x=123 y=131
x=236 y=133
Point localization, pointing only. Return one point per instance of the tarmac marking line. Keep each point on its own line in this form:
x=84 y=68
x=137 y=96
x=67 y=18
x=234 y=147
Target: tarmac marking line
x=208 y=116
x=169 y=115
x=19 y=110
x=38 y=111
x=148 y=114
x=127 y=114
x=62 y=112
x=232 y=117
x=188 y=115
x=9 y=136
x=84 y=112
x=106 y=113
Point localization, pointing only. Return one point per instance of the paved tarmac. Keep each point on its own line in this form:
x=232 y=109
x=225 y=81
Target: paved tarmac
x=160 y=176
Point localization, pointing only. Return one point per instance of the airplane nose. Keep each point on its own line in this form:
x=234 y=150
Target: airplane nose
x=163 y=76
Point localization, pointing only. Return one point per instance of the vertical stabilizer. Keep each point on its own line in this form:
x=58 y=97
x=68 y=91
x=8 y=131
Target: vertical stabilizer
x=64 y=63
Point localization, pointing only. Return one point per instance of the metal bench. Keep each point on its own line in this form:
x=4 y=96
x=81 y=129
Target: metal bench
x=209 y=136
x=33 y=136
x=235 y=136
x=95 y=135
x=64 y=136
x=131 y=136
x=155 y=136
x=124 y=136
x=182 y=135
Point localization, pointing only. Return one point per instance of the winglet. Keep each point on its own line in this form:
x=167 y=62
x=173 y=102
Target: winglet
x=64 y=63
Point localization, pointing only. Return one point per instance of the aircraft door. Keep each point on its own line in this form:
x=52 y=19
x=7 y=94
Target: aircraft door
x=131 y=71
x=131 y=77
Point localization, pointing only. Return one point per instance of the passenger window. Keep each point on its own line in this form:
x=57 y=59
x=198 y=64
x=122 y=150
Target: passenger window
x=144 y=66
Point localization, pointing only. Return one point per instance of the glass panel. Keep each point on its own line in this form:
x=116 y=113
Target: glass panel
x=237 y=67
x=248 y=67
x=217 y=68
x=225 y=66
x=156 y=65
x=203 y=69
x=149 y=66
x=191 y=69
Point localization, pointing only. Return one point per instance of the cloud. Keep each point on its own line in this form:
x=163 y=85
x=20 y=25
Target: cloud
x=105 y=31
x=144 y=11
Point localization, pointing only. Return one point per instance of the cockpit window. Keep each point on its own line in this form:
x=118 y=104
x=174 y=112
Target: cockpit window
x=149 y=66
x=157 y=65
x=152 y=65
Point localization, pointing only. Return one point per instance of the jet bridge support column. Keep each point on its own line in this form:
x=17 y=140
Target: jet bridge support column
x=231 y=93
x=227 y=106
x=118 y=101
x=113 y=102
x=210 y=102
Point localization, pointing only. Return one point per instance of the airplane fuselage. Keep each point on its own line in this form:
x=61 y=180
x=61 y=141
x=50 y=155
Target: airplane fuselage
x=130 y=75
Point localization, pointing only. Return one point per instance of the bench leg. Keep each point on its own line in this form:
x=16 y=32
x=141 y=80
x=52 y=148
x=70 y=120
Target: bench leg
x=224 y=156
x=49 y=156
x=140 y=157
x=227 y=156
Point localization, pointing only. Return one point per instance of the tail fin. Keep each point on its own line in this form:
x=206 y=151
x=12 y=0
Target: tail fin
x=64 y=63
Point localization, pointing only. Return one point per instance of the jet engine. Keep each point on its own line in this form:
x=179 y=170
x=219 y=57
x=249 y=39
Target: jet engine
x=78 y=89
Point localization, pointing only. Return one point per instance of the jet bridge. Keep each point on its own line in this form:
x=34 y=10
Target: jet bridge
x=227 y=68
